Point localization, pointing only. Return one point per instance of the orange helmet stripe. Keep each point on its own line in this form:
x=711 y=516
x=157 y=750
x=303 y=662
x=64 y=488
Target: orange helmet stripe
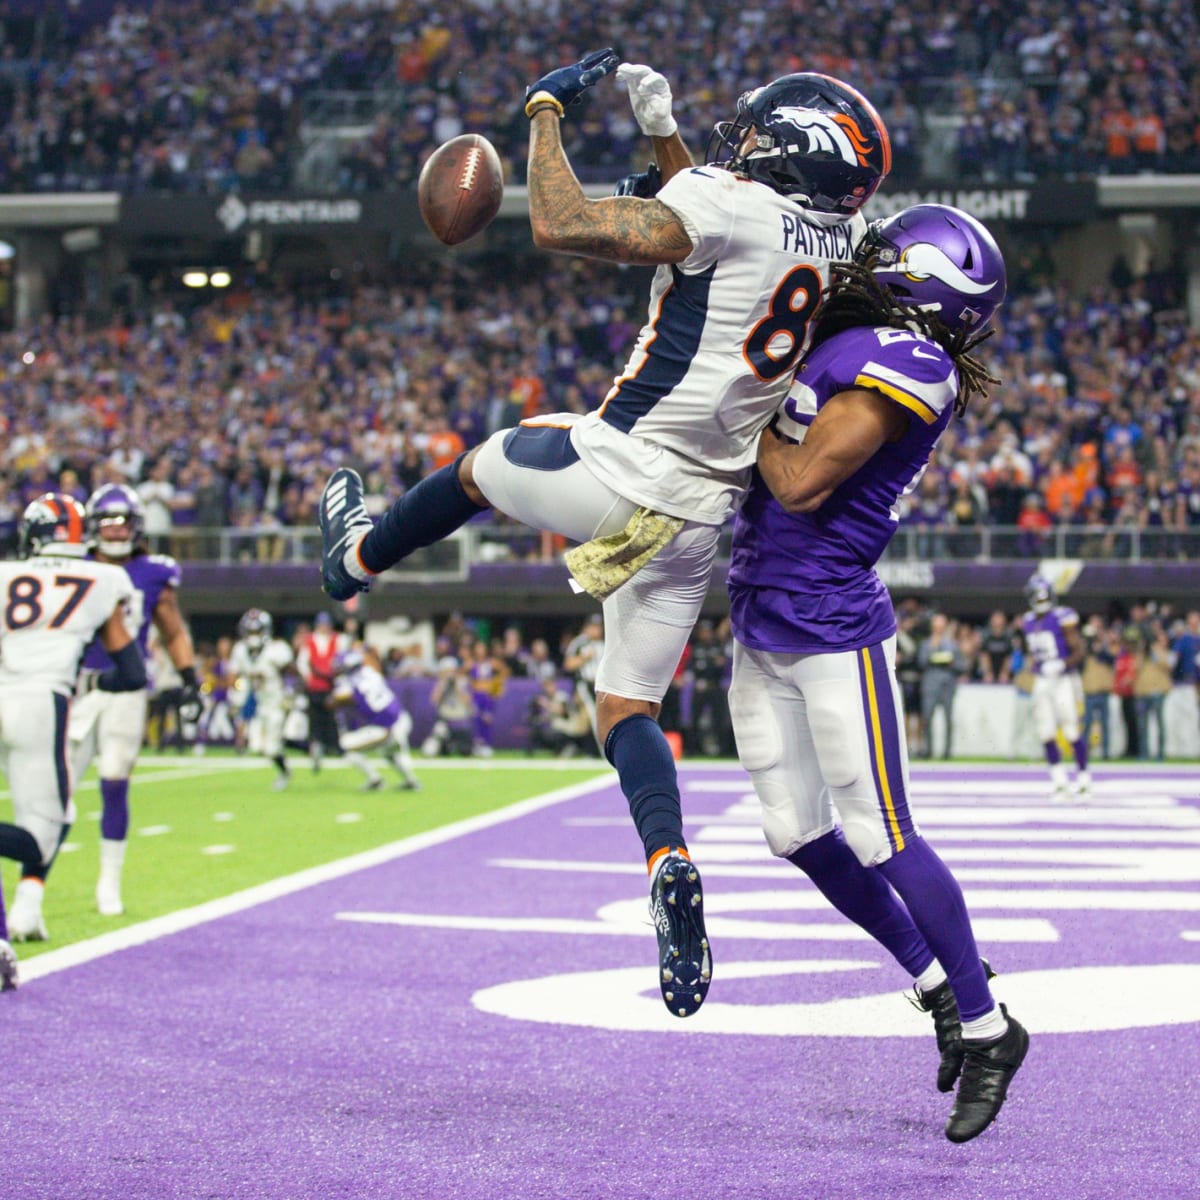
x=884 y=140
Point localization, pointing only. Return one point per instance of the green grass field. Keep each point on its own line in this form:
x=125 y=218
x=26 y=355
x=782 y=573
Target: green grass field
x=204 y=827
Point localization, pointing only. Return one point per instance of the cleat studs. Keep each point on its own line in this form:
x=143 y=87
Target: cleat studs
x=667 y=974
x=668 y=878
x=683 y=1012
x=696 y=900
x=698 y=998
x=705 y=976
x=669 y=997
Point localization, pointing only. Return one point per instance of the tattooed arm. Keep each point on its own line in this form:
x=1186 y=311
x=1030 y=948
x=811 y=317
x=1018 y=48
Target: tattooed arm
x=619 y=228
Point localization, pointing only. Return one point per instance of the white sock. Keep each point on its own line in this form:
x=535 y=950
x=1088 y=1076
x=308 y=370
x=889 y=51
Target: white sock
x=354 y=567
x=930 y=979
x=987 y=1028
x=402 y=761
x=112 y=856
x=360 y=761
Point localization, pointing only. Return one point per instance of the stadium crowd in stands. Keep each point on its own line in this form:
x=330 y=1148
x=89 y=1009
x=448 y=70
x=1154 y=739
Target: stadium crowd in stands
x=233 y=413
x=208 y=95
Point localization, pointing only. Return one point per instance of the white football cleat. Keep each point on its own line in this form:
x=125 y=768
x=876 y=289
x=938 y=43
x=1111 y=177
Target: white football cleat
x=25 y=920
x=8 y=968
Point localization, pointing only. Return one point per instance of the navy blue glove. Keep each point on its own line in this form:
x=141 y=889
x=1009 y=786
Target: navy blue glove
x=644 y=184
x=566 y=85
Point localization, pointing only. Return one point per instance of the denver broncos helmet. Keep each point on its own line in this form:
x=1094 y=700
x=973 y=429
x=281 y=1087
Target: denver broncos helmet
x=817 y=141
x=52 y=524
x=1040 y=593
x=255 y=627
x=941 y=260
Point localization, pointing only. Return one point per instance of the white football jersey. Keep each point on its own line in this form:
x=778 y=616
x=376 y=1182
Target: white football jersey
x=262 y=669
x=52 y=608
x=679 y=429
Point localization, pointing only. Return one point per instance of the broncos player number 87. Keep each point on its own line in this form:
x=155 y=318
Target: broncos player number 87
x=743 y=247
x=52 y=603
x=109 y=730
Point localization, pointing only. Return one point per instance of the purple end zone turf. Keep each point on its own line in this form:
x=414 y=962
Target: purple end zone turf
x=288 y=1051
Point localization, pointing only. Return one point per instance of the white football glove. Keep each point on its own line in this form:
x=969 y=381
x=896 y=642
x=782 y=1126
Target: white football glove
x=650 y=96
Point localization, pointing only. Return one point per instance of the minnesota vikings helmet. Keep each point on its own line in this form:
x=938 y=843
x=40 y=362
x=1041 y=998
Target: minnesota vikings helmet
x=817 y=141
x=941 y=260
x=255 y=627
x=52 y=524
x=1040 y=593
x=347 y=661
x=115 y=520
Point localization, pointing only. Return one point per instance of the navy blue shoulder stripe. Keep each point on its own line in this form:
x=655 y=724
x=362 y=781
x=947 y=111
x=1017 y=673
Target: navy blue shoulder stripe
x=677 y=334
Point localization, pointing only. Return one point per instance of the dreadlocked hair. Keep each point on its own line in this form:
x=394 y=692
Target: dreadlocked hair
x=855 y=298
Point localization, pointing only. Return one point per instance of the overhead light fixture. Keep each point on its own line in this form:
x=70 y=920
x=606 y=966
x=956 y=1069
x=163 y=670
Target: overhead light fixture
x=195 y=279
x=220 y=279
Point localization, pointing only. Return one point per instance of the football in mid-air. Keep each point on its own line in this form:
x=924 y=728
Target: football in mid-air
x=460 y=188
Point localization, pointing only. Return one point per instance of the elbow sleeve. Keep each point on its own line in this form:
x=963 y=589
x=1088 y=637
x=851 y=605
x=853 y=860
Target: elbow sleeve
x=128 y=672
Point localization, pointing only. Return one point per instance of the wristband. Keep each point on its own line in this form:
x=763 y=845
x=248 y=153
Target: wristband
x=188 y=677
x=540 y=100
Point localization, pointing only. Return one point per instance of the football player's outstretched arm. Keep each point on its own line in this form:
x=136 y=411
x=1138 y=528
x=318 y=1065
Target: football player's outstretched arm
x=618 y=228
x=650 y=98
x=850 y=428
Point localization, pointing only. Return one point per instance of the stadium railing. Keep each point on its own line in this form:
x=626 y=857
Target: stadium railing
x=485 y=542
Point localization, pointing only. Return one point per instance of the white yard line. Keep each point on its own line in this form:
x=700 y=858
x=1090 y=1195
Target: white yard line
x=148 y=931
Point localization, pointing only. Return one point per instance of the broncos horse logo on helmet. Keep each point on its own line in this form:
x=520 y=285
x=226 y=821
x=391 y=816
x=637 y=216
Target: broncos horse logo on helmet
x=941 y=260
x=817 y=141
x=255 y=627
x=52 y=524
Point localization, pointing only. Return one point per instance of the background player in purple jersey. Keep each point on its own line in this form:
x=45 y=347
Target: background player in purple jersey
x=112 y=727
x=374 y=717
x=1055 y=651
x=743 y=248
x=815 y=702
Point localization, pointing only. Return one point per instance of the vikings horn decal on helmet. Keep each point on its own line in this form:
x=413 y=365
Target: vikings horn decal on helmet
x=1040 y=592
x=115 y=520
x=255 y=626
x=52 y=524
x=942 y=260
x=347 y=661
x=817 y=141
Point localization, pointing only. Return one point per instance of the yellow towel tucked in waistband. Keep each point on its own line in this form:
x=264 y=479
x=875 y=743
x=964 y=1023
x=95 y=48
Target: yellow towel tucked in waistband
x=600 y=566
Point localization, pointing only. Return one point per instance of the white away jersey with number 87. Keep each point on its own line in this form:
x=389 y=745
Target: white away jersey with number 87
x=50 y=609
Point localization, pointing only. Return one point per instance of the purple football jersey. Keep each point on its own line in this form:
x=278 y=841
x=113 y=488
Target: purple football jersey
x=1046 y=637
x=806 y=582
x=151 y=574
x=374 y=701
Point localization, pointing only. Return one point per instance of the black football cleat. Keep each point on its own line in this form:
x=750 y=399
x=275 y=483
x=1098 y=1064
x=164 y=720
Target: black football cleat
x=344 y=521
x=677 y=910
x=988 y=1068
x=947 y=1028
